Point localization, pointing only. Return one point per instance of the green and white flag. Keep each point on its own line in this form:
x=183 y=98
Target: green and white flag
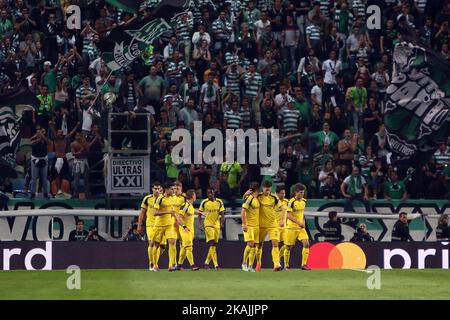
x=418 y=102
x=126 y=43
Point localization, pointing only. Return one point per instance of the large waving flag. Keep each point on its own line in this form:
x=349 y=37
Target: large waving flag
x=125 y=43
x=417 y=111
x=13 y=104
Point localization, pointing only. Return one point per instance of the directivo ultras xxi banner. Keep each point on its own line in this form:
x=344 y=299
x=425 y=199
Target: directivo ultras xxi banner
x=129 y=175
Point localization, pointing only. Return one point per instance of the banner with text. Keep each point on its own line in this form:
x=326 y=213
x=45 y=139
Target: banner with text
x=129 y=175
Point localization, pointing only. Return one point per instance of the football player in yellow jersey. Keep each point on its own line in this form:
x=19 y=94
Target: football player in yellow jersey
x=147 y=213
x=250 y=226
x=165 y=226
x=178 y=201
x=185 y=219
x=213 y=210
x=296 y=226
x=281 y=193
x=269 y=224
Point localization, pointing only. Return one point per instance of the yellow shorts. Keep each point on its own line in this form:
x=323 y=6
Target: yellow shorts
x=273 y=233
x=163 y=233
x=292 y=235
x=212 y=234
x=150 y=233
x=252 y=234
x=282 y=234
x=187 y=238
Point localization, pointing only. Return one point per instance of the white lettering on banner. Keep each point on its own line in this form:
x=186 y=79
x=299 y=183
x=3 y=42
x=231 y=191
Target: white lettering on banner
x=422 y=255
x=388 y=254
x=16 y=231
x=445 y=257
x=47 y=253
x=7 y=254
x=129 y=175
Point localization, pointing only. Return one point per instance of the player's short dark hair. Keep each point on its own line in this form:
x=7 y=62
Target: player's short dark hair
x=332 y=214
x=267 y=184
x=403 y=213
x=254 y=186
x=299 y=187
x=167 y=185
x=280 y=188
x=79 y=220
x=156 y=184
x=190 y=194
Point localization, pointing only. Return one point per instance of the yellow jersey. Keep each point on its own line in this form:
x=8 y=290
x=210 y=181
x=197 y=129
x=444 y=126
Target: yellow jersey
x=178 y=202
x=213 y=209
x=267 y=210
x=284 y=204
x=164 y=203
x=297 y=208
x=148 y=203
x=251 y=206
x=187 y=214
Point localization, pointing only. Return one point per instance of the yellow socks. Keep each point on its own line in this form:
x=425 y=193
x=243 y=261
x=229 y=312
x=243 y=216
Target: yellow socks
x=172 y=255
x=287 y=257
x=305 y=254
x=246 y=254
x=150 y=255
x=208 y=257
x=182 y=255
x=189 y=255
x=275 y=256
x=259 y=255
x=251 y=257
x=283 y=248
x=156 y=254
x=214 y=255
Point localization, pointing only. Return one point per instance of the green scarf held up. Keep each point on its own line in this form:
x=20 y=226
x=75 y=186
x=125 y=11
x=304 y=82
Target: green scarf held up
x=353 y=185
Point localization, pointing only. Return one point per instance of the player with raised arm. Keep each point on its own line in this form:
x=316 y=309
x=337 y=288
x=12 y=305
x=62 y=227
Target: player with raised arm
x=147 y=214
x=296 y=226
x=250 y=226
x=213 y=210
x=282 y=216
x=185 y=219
x=165 y=226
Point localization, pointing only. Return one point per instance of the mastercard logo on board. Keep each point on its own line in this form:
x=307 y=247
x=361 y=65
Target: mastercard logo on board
x=345 y=255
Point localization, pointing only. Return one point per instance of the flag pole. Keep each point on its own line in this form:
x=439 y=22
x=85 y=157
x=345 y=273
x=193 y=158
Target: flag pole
x=100 y=90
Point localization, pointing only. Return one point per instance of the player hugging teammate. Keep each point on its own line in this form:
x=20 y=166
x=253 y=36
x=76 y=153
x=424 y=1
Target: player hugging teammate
x=266 y=214
x=169 y=216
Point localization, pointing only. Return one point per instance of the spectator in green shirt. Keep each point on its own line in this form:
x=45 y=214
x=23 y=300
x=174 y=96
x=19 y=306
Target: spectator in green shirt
x=233 y=170
x=357 y=101
x=325 y=136
x=393 y=188
x=49 y=77
x=172 y=171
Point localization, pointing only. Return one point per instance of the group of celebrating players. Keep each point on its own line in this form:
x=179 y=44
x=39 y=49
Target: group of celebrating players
x=168 y=216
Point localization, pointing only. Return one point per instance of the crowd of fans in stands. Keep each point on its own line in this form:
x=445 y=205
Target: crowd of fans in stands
x=312 y=69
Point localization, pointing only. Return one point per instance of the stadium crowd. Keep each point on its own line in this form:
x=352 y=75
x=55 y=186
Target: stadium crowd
x=312 y=69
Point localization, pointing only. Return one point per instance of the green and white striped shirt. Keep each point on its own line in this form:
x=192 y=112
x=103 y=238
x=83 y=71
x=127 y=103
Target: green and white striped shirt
x=313 y=32
x=233 y=119
x=253 y=83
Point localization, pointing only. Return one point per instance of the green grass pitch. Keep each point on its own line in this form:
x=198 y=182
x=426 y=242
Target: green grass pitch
x=226 y=284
